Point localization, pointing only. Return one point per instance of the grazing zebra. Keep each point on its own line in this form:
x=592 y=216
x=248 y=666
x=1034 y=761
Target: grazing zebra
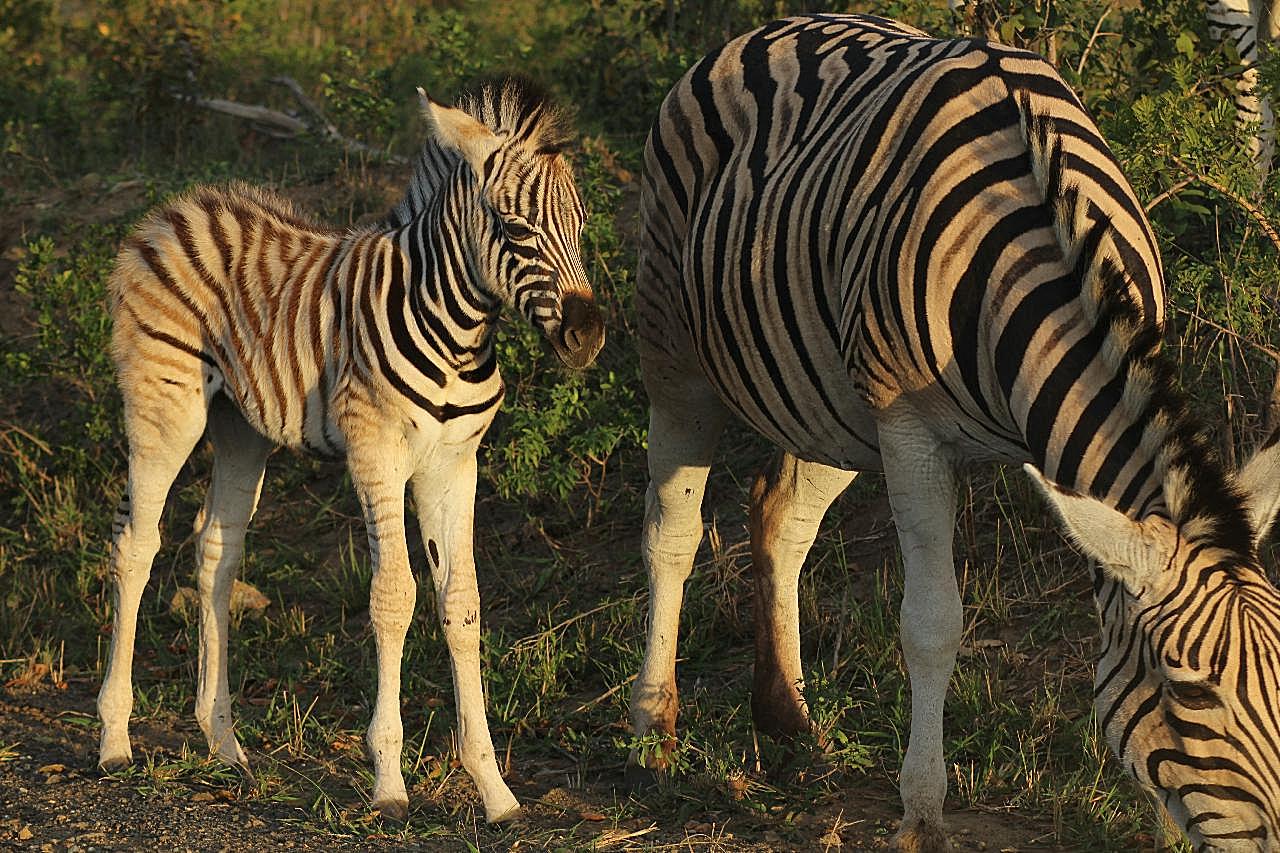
x=889 y=252
x=1241 y=23
x=236 y=315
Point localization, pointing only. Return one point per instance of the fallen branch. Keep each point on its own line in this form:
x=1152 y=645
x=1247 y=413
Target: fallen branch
x=272 y=122
x=284 y=126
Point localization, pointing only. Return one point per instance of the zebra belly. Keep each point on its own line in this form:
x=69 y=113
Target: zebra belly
x=849 y=442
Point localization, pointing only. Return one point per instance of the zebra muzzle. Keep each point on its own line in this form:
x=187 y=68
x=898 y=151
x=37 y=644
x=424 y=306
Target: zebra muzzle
x=581 y=333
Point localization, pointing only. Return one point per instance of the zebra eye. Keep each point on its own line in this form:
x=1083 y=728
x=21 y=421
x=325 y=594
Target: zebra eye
x=516 y=230
x=1192 y=695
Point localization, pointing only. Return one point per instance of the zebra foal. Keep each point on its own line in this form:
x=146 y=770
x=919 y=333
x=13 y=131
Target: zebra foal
x=235 y=315
x=895 y=253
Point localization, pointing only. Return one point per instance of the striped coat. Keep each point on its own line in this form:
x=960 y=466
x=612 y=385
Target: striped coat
x=890 y=252
x=233 y=314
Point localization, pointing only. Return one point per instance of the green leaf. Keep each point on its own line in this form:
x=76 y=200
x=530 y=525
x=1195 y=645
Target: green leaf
x=1186 y=44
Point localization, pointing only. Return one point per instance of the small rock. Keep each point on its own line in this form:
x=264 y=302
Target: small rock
x=25 y=834
x=54 y=779
x=202 y=797
x=831 y=839
x=591 y=816
x=245 y=600
x=52 y=768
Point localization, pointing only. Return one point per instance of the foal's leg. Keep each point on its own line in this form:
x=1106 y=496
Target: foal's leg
x=922 y=493
x=379 y=464
x=685 y=422
x=164 y=414
x=239 y=459
x=444 y=495
x=788 y=502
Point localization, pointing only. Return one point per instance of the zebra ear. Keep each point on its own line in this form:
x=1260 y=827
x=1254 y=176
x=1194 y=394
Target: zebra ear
x=1132 y=552
x=456 y=130
x=1259 y=481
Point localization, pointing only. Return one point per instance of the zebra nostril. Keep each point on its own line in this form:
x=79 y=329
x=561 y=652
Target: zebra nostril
x=581 y=330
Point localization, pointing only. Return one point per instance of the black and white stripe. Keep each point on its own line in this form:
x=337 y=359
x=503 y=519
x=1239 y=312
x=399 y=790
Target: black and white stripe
x=890 y=252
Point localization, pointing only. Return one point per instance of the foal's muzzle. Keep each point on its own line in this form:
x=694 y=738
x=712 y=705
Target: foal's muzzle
x=581 y=333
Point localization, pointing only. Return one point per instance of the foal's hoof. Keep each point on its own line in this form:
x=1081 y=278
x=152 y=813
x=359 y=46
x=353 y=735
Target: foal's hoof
x=640 y=778
x=921 y=838
x=393 y=809
x=114 y=755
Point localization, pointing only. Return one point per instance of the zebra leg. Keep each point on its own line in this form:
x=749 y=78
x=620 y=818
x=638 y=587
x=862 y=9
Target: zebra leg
x=788 y=502
x=685 y=422
x=922 y=490
x=444 y=495
x=163 y=422
x=239 y=460
x=377 y=465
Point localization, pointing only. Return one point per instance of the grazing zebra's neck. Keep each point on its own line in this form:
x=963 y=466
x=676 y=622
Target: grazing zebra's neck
x=1102 y=414
x=1078 y=358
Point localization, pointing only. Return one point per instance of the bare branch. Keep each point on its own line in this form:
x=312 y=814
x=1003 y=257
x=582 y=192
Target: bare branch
x=272 y=121
x=306 y=103
x=1097 y=30
x=1169 y=193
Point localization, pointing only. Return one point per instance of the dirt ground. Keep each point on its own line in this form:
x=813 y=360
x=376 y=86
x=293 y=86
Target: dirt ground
x=52 y=798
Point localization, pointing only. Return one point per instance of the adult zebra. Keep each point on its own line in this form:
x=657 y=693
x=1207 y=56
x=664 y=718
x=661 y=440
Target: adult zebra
x=1242 y=23
x=890 y=252
x=233 y=313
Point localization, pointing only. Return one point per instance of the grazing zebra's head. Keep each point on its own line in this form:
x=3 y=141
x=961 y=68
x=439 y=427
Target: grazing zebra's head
x=1187 y=688
x=523 y=239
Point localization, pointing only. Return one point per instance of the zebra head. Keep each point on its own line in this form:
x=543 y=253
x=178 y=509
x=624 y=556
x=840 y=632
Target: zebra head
x=1187 y=688
x=524 y=240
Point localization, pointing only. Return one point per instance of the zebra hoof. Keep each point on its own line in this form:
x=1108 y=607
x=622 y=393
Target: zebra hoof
x=114 y=764
x=509 y=816
x=393 y=809
x=921 y=837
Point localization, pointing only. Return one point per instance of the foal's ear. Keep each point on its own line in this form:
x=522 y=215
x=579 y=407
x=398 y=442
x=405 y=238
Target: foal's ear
x=1259 y=481
x=1132 y=552
x=456 y=130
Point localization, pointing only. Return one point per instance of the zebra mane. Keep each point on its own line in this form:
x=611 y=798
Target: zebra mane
x=513 y=107
x=521 y=110
x=1198 y=493
x=1201 y=498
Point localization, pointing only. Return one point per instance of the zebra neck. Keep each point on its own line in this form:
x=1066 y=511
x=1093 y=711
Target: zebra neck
x=431 y=172
x=444 y=297
x=1102 y=415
